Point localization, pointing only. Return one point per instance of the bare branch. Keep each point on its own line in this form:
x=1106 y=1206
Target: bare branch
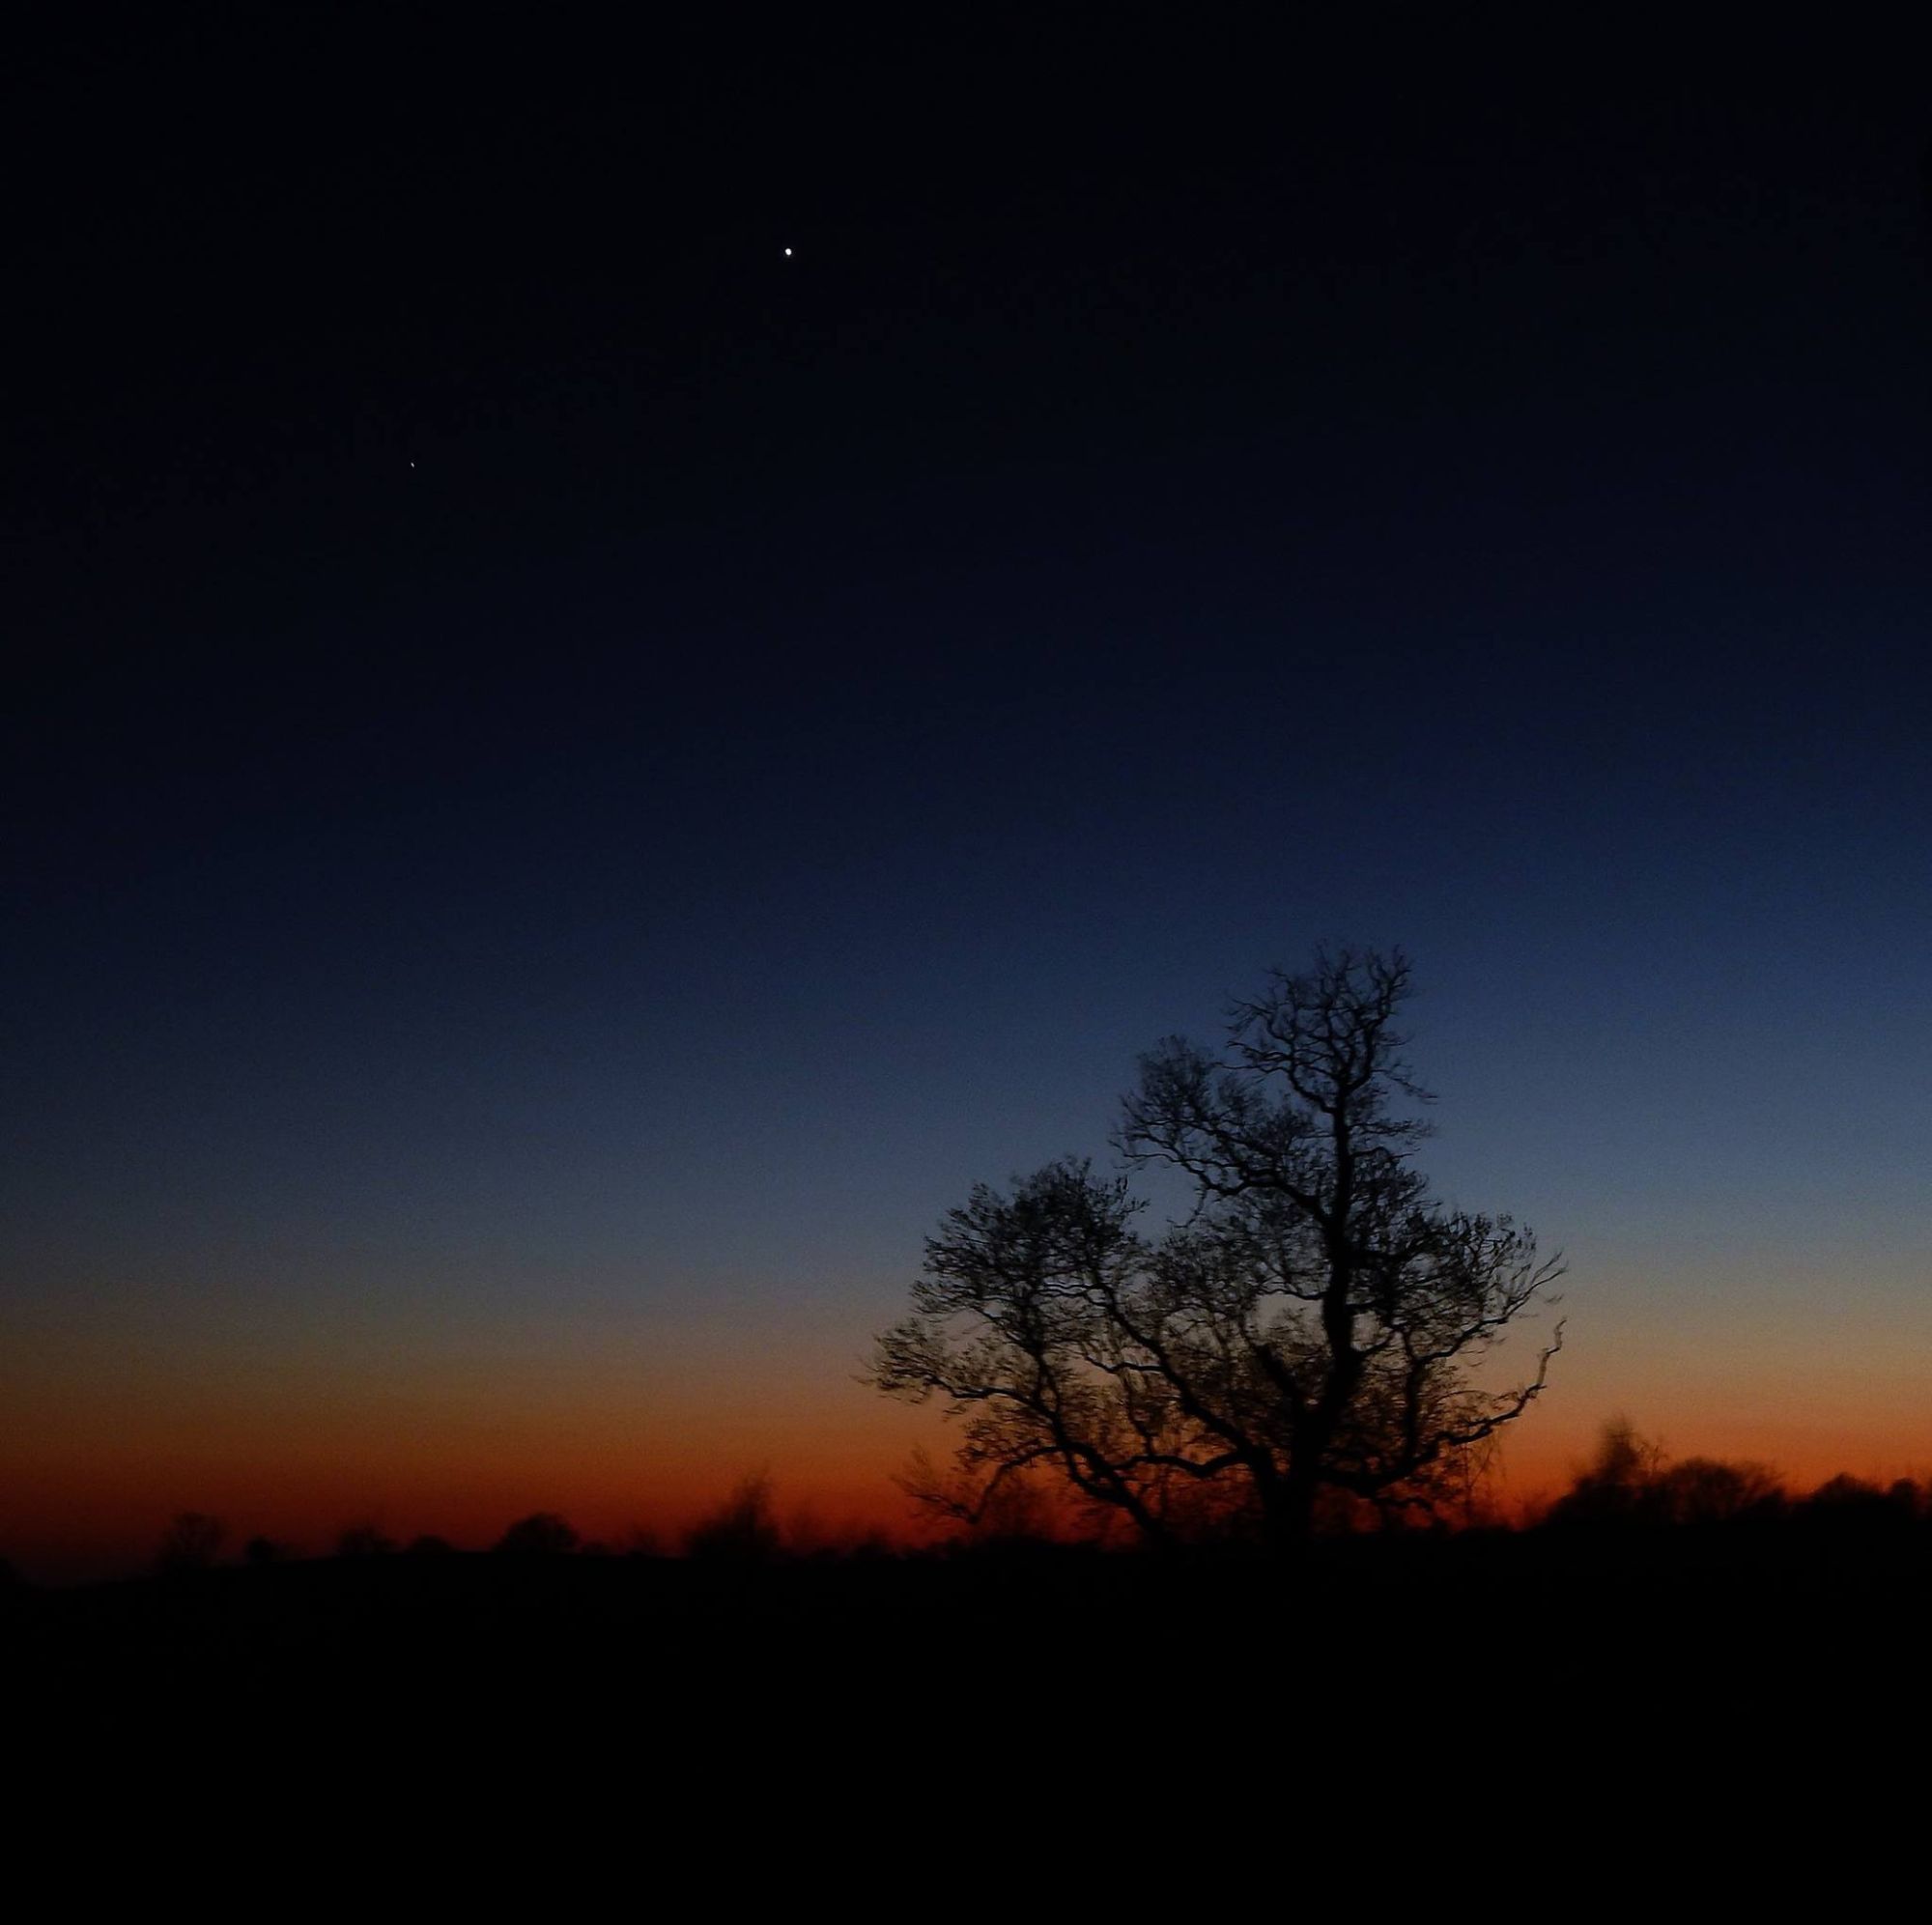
x=1314 y=1323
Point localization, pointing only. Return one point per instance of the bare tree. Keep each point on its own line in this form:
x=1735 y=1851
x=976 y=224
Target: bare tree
x=743 y=1529
x=1307 y=1335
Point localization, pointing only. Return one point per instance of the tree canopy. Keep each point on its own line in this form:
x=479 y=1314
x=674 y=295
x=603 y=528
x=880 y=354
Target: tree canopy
x=1308 y=1333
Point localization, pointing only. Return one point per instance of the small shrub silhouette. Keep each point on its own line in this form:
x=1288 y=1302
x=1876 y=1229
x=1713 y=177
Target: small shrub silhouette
x=542 y=1534
x=1846 y=1503
x=191 y=1543
x=364 y=1541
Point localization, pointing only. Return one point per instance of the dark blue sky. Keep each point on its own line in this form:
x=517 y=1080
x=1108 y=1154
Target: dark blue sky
x=567 y=763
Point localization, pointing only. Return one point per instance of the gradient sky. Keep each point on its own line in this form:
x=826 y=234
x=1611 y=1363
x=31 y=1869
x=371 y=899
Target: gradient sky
x=578 y=780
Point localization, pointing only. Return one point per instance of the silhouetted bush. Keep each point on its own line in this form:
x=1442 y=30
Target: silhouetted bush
x=191 y=1543
x=1707 y=1491
x=1630 y=1482
x=428 y=1545
x=264 y=1551
x=741 y=1530
x=1856 y=1504
x=542 y=1534
x=364 y=1541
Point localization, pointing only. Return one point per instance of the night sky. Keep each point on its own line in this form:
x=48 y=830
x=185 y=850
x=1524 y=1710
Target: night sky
x=573 y=778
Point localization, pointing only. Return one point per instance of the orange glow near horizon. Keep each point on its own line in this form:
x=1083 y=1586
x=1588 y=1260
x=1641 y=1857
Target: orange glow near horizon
x=94 y=1473
x=629 y=1427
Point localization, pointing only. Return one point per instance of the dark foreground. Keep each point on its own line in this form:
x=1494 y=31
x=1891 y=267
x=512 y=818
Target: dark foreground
x=1507 y=1618
x=1509 y=1684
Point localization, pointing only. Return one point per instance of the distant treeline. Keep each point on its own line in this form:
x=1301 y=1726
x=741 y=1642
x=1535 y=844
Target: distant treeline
x=1630 y=1485
x=745 y=1527
x=1630 y=1482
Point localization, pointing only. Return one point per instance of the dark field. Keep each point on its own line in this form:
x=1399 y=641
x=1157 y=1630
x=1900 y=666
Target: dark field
x=1015 y=1730
x=1526 y=1625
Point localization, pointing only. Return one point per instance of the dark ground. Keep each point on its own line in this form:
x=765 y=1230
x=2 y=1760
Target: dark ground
x=1502 y=1626
x=1427 y=1719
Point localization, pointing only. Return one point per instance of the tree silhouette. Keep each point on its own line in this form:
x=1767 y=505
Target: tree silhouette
x=1847 y=1501
x=191 y=1543
x=542 y=1534
x=741 y=1530
x=1619 y=1482
x=1629 y=1479
x=1306 y=1336
x=368 y=1540
x=1709 y=1490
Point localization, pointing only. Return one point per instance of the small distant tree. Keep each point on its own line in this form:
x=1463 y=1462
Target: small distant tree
x=430 y=1545
x=259 y=1551
x=191 y=1543
x=542 y=1534
x=1712 y=1490
x=1618 y=1484
x=743 y=1529
x=1631 y=1480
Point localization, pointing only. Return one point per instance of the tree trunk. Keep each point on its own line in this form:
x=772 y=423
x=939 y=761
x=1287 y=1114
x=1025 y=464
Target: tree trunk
x=1287 y=1509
